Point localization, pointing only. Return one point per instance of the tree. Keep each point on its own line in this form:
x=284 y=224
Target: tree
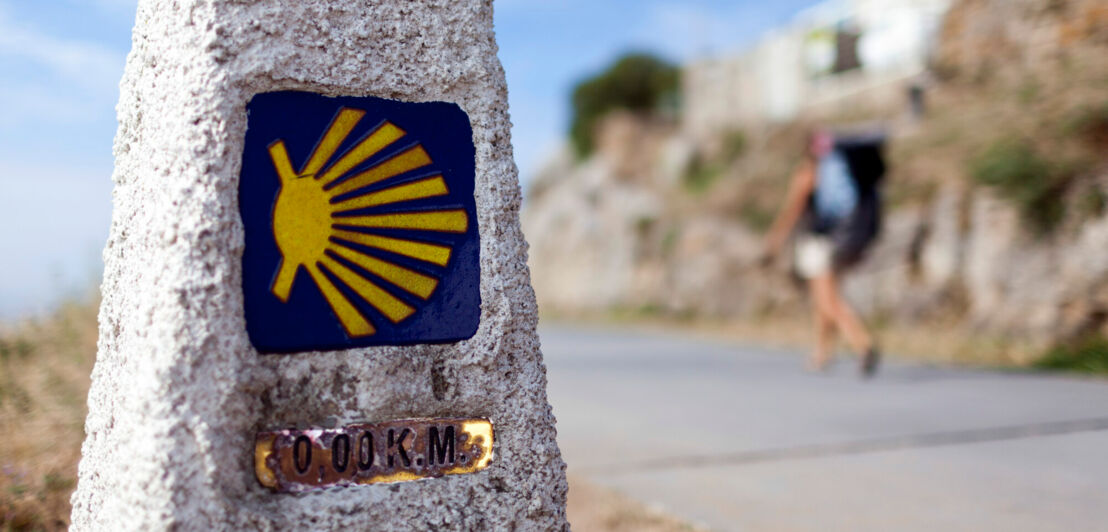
x=636 y=82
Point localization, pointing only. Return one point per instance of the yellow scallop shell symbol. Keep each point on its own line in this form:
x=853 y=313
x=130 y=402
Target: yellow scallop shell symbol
x=312 y=210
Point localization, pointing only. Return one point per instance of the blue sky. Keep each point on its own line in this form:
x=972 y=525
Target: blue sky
x=62 y=59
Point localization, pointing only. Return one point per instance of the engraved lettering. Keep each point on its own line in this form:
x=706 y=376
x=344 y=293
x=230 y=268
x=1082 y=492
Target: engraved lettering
x=302 y=453
x=365 y=451
x=340 y=459
x=440 y=449
x=298 y=459
x=392 y=443
x=399 y=444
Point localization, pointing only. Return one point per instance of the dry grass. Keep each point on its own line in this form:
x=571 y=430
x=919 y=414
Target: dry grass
x=44 y=379
x=595 y=509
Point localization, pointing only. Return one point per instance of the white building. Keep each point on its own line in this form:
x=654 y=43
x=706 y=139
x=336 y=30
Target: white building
x=826 y=55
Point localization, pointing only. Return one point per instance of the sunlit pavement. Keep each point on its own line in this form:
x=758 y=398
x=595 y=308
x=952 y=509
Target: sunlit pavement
x=741 y=438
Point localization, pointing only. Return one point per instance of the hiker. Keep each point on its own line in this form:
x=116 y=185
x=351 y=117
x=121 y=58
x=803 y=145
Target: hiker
x=834 y=200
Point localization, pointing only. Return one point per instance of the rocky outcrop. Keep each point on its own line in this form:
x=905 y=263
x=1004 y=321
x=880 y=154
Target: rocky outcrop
x=602 y=238
x=986 y=38
x=964 y=258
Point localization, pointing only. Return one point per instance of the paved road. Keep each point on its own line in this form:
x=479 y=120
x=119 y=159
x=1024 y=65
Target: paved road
x=740 y=438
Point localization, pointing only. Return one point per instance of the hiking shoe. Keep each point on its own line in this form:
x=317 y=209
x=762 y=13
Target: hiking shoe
x=870 y=361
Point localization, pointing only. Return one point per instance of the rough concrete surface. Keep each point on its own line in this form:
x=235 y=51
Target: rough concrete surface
x=178 y=392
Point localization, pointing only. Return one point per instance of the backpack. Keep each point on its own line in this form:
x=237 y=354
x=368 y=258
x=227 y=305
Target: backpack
x=864 y=155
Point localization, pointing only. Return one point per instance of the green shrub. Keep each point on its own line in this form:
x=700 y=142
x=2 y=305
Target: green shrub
x=1089 y=356
x=19 y=347
x=56 y=482
x=701 y=174
x=1089 y=122
x=704 y=170
x=1028 y=92
x=1019 y=174
x=644 y=224
x=754 y=216
x=734 y=144
x=669 y=240
x=636 y=82
x=1093 y=203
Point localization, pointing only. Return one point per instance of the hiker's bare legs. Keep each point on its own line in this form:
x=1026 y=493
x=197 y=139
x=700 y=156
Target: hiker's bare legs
x=825 y=331
x=825 y=294
x=853 y=328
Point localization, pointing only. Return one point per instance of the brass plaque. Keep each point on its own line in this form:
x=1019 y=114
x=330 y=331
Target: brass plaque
x=409 y=449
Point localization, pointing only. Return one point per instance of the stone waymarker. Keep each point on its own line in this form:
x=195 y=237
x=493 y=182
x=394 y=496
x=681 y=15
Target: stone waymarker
x=317 y=312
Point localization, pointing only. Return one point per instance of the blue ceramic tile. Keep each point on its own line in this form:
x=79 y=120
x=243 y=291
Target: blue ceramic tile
x=361 y=227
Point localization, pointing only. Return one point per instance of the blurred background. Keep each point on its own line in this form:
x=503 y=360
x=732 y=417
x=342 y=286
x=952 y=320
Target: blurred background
x=655 y=142
x=996 y=115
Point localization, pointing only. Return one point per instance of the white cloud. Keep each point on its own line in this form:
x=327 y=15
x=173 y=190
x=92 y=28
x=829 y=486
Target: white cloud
x=41 y=104
x=686 y=30
x=116 y=5
x=87 y=64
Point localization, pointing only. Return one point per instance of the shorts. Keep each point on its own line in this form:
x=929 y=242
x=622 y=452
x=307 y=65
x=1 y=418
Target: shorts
x=813 y=255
